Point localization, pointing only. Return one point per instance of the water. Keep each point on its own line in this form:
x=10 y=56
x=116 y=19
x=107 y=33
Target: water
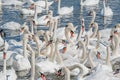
x=10 y=14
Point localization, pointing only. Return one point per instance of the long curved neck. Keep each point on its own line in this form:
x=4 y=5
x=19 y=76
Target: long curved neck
x=35 y=13
x=4 y=67
x=58 y=56
x=86 y=40
x=84 y=52
x=81 y=67
x=0 y=6
x=81 y=2
x=46 y=5
x=104 y=7
x=32 y=62
x=59 y=2
x=95 y=31
x=81 y=31
x=116 y=41
x=98 y=39
x=90 y=59
x=93 y=17
x=108 y=57
x=67 y=73
x=55 y=28
x=67 y=34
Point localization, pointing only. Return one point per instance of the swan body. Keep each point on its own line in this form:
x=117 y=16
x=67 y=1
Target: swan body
x=43 y=4
x=64 y=10
x=10 y=26
x=12 y=2
x=20 y=63
x=89 y=2
x=43 y=66
x=11 y=73
x=106 y=11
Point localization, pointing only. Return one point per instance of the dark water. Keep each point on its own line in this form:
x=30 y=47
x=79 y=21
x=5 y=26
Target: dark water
x=11 y=14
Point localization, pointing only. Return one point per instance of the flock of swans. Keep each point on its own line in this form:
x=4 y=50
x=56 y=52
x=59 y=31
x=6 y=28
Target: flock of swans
x=60 y=52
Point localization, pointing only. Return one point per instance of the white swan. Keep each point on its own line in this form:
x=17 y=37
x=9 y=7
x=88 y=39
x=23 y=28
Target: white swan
x=0 y=7
x=32 y=10
x=106 y=11
x=26 y=36
x=103 y=70
x=115 y=44
x=32 y=63
x=89 y=2
x=95 y=25
x=64 y=10
x=82 y=29
x=84 y=55
x=12 y=2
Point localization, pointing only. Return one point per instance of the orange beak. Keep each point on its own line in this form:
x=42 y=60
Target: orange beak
x=72 y=33
x=64 y=49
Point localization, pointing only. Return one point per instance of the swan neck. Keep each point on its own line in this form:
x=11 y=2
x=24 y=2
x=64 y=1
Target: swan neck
x=90 y=59
x=67 y=34
x=4 y=68
x=93 y=17
x=95 y=31
x=108 y=57
x=32 y=62
x=84 y=52
x=59 y=2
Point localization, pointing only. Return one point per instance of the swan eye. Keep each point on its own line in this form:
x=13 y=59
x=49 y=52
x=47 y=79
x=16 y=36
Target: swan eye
x=66 y=26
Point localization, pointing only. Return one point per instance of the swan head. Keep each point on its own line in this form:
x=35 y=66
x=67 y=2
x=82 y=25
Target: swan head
x=92 y=12
x=42 y=76
x=116 y=32
x=79 y=44
x=59 y=72
x=2 y=33
x=110 y=38
x=24 y=28
x=98 y=55
x=72 y=33
x=32 y=6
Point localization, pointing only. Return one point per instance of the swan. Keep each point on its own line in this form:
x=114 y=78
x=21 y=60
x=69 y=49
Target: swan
x=12 y=2
x=0 y=7
x=10 y=26
x=41 y=20
x=56 y=55
x=95 y=25
x=31 y=11
x=103 y=70
x=64 y=10
x=7 y=62
x=84 y=56
x=106 y=11
x=26 y=36
x=89 y=2
x=115 y=44
x=32 y=63
x=82 y=29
